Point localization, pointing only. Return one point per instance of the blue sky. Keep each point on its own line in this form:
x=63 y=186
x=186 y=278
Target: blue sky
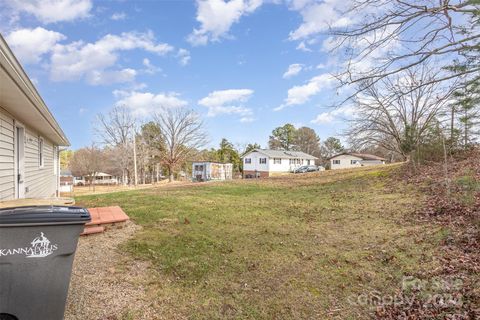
x=247 y=66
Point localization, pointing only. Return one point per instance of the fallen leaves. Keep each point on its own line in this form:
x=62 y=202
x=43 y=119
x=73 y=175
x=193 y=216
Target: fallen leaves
x=453 y=202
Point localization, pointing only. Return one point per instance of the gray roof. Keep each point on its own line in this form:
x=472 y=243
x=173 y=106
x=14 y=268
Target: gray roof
x=283 y=154
x=65 y=172
x=363 y=156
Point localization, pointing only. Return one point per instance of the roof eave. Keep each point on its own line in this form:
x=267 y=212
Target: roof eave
x=26 y=86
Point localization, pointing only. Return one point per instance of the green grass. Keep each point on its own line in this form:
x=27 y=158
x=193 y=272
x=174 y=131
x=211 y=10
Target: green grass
x=288 y=247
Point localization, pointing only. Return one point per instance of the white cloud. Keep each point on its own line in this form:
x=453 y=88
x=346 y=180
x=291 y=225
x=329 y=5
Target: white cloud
x=149 y=67
x=301 y=94
x=247 y=119
x=228 y=102
x=347 y=111
x=111 y=76
x=183 y=56
x=118 y=16
x=51 y=11
x=216 y=17
x=221 y=97
x=145 y=103
x=293 y=70
x=319 y=17
x=30 y=45
x=89 y=60
x=303 y=47
x=324 y=117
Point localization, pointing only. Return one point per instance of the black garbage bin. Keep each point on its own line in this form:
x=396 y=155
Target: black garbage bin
x=37 y=247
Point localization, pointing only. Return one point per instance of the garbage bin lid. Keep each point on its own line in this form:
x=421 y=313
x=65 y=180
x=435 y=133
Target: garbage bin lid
x=43 y=215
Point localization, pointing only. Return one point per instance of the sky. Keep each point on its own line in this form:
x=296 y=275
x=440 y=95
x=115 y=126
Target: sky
x=246 y=66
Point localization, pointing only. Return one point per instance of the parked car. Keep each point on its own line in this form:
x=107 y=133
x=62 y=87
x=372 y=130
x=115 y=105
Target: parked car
x=304 y=169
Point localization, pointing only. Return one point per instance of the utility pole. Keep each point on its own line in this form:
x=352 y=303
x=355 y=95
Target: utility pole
x=135 y=156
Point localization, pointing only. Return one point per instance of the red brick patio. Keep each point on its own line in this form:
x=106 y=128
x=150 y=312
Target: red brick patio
x=104 y=217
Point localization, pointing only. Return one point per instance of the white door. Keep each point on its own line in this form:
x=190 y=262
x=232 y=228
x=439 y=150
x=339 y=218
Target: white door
x=20 y=165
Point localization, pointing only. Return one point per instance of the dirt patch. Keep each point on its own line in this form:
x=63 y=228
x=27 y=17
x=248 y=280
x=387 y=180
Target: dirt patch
x=107 y=284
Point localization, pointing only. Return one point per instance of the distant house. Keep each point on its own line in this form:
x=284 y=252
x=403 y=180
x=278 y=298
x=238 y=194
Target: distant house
x=261 y=163
x=353 y=160
x=207 y=171
x=102 y=178
x=30 y=137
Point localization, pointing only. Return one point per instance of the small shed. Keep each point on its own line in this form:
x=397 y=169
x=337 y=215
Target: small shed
x=207 y=171
x=66 y=181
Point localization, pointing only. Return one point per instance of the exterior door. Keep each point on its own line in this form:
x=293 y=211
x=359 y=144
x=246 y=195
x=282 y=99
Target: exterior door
x=20 y=159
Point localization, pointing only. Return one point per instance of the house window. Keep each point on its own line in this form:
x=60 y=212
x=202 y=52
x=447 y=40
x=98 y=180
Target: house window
x=40 y=152
x=277 y=161
x=353 y=161
x=198 y=167
x=336 y=161
x=308 y=162
x=263 y=160
x=248 y=160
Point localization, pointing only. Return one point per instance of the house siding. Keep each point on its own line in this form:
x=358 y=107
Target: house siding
x=39 y=182
x=345 y=162
x=7 y=158
x=255 y=165
x=372 y=162
x=270 y=168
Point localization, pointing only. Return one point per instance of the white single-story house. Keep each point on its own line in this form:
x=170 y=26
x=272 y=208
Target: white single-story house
x=30 y=137
x=207 y=171
x=261 y=163
x=102 y=178
x=348 y=160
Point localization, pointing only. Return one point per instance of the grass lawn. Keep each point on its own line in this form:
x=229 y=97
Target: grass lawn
x=303 y=246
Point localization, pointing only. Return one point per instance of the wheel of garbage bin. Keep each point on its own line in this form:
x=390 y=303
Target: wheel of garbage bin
x=6 y=316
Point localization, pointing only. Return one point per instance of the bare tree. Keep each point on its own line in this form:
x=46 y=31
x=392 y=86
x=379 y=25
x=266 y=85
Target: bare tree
x=390 y=36
x=396 y=114
x=88 y=162
x=115 y=130
x=182 y=132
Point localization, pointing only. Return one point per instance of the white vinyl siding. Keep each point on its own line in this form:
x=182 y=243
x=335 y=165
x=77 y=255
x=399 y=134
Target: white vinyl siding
x=7 y=159
x=41 y=150
x=345 y=161
x=39 y=181
x=272 y=165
